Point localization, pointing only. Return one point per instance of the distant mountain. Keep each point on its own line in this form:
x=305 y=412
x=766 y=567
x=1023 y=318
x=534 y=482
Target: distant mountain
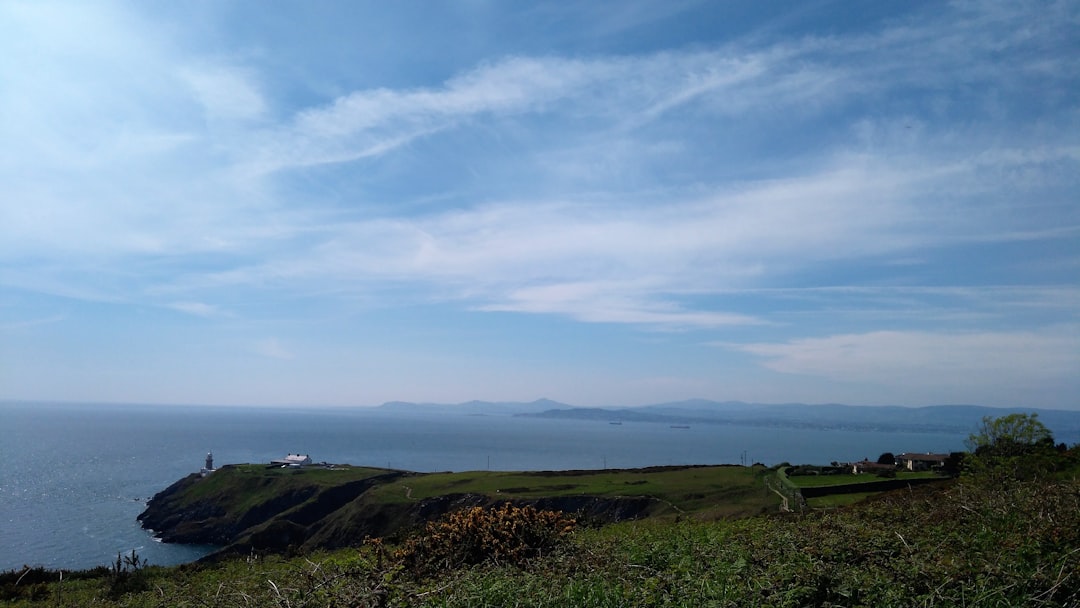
x=475 y=408
x=1065 y=425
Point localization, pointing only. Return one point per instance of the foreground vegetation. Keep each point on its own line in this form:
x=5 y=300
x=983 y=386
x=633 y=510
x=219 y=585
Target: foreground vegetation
x=968 y=544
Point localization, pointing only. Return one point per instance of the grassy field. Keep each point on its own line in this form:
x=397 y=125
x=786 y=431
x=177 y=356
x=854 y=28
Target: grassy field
x=686 y=489
x=833 y=501
x=820 y=481
x=239 y=487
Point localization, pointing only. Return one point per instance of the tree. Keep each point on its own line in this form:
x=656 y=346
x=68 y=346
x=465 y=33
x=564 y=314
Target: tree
x=1009 y=435
x=1016 y=446
x=887 y=458
x=954 y=464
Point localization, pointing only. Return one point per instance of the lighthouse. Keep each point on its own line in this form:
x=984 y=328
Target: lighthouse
x=209 y=468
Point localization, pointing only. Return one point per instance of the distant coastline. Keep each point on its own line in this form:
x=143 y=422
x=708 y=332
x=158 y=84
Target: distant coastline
x=830 y=416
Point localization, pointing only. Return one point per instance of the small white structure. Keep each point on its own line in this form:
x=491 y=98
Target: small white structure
x=209 y=468
x=293 y=460
x=869 y=466
x=922 y=462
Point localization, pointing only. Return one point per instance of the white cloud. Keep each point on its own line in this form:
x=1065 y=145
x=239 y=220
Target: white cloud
x=612 y=92
x=605 y=261
x=800 y=77
x=978 y=361
x=153 y=180
x=272 y=348
x=612 y=302
x=30 y=323
x=198 y=309
x=225 y=93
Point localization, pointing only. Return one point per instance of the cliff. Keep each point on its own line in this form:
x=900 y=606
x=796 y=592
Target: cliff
x=255 y=507
x=246 y=508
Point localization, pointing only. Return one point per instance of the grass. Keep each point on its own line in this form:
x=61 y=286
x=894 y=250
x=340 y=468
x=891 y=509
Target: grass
x=820 y=481
x=685 y=489
x=838 y=500
x=240 y=487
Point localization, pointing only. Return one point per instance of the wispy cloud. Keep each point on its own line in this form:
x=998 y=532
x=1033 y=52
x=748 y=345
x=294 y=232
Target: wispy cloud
x=198 y=309
x=896 y=358
x=273 y=349
x=28 y=323
x=608 y=302
x=225 y=94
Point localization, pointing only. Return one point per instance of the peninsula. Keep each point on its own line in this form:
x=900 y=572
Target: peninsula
x=271 y=508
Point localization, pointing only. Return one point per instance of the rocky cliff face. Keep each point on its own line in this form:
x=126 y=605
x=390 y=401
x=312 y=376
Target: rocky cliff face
x=183 y=525
x=312 y=516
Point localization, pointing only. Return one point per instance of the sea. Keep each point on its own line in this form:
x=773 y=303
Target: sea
x=74 y=476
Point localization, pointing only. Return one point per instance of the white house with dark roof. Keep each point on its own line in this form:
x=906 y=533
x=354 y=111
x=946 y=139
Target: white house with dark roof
x=293 y=460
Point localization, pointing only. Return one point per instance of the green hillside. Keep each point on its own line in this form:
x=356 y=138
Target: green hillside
x=245 y=508
x=968 y=543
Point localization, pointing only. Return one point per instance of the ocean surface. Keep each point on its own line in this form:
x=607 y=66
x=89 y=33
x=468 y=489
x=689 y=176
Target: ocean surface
x=74 y=477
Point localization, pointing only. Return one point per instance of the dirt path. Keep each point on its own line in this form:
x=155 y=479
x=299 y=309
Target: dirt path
x=784 y=507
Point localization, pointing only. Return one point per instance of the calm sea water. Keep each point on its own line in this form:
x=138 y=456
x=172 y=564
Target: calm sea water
x=74 y=477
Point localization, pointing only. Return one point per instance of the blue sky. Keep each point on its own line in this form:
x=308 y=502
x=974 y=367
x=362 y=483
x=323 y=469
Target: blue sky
x=602 y=203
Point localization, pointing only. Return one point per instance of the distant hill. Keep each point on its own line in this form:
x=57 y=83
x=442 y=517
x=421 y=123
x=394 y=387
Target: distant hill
x=1065 y=425
x=474 y=407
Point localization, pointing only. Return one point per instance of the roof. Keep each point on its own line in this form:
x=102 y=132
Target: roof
x=927 y=457
x=293 y=459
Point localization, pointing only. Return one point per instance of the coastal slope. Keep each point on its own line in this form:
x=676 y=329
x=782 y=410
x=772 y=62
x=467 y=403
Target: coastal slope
x=244 y=508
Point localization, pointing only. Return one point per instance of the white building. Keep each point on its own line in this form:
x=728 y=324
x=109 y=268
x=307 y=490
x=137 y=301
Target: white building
x=293 y=460
x=922 y=462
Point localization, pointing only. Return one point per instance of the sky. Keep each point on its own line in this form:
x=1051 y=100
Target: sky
x=601 y=203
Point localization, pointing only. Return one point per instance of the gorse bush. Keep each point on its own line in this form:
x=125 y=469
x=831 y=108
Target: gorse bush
x=507 y=534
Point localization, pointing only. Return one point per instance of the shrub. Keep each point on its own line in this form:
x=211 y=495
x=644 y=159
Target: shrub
x=127 y=575
x=507 y=534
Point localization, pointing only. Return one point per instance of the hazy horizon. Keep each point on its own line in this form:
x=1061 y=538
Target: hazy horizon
x=554 y=403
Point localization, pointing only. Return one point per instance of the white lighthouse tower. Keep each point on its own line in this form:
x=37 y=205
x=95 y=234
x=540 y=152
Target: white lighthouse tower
x=209 y=468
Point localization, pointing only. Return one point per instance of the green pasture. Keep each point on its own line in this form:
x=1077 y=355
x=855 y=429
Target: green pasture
x=838 y=500
x=240 y=487
x=820 y=481
x=685 y=488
